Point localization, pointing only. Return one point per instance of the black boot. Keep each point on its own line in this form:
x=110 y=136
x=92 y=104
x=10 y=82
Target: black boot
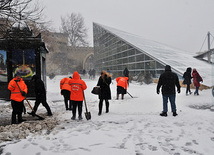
x=175 y=114
x=100 y=107
x=163 y=114
x=20 y=120
x=107 y=106
x=13 y=118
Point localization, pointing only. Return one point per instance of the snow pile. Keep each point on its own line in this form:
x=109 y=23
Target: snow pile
x=21 y=131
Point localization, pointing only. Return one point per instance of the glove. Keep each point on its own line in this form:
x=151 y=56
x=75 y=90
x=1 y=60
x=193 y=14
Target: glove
x=23 y=93
x=179 y=90
x=158 y=91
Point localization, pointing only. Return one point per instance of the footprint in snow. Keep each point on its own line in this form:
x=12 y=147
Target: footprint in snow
x=25 y=146
x=43 y=148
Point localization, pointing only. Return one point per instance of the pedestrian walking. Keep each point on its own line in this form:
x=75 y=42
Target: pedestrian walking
x=168 y=80
x=77 y=94
x=122 y=83
x=17 y=97
x=126 y=73
x=40 y=96
x=104 y=84
x=66 y=92
x=196 y=80
x=187 y=79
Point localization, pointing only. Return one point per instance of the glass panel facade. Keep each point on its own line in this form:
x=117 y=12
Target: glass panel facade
x=115 y=54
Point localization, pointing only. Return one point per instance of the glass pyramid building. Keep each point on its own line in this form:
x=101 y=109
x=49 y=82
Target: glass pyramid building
x=115 y=50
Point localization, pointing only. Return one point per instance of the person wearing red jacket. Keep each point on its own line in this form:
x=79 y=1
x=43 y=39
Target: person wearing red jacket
x=77 y=96
x=196 y=80
x=66 y=92
x=122 y=83
x=17 y=97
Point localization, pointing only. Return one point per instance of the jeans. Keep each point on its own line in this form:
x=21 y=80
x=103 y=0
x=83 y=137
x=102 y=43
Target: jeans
x=196 y=91
x=171 y=98
x=188 y=89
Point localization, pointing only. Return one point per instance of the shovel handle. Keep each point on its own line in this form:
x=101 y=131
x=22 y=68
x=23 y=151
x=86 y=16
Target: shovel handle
x=85 y=101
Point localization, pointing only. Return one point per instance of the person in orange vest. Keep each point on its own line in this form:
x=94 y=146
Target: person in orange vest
x=122 y=83
x=77 y=94
x=66 y=92
x=17 y=97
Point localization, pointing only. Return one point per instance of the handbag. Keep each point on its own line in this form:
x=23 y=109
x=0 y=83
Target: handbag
x=198 y=78
x=96 y=90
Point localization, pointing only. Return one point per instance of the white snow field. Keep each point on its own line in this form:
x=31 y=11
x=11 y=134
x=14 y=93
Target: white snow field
x=132 y=127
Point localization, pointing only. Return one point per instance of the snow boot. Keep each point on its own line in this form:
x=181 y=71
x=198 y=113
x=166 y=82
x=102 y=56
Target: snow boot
x=163 y=114
x=175 y=114
x=73 y=118
x=49 y=114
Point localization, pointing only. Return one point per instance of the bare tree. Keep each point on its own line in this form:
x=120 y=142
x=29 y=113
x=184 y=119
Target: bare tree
x=14 y=10
x=74 y=26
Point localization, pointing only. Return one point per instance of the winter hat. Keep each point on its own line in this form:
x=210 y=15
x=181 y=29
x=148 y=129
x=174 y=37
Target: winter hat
x=18 y=74
x=167 y=68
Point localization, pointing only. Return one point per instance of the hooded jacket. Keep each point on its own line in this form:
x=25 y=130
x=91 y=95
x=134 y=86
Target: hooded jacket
x=15 y=91
x=187 y=76
x=77 y=87
x=196 y=78
x=122 y=82
x=64 y=85
x=168 y=80
x=39 y=87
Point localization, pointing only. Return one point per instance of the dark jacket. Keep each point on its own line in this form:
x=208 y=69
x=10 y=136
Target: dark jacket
x=187 y=76
x=105 y=87
x=39 y=88
x=126 y=72
x=168 y=80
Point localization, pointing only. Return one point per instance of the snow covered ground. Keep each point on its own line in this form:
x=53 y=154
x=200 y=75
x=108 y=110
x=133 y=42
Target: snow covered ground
x=133 y=126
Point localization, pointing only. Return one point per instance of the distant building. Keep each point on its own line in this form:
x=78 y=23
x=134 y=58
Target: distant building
x=115 y=50
x=64 y=59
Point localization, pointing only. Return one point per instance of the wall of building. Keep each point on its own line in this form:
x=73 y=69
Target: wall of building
x=116 y=54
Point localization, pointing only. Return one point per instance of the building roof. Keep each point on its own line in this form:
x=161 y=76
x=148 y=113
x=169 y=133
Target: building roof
x=178 y=59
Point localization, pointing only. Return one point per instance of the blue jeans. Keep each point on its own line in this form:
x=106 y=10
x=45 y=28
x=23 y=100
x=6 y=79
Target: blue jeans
x=196 y=91
x=172 y=101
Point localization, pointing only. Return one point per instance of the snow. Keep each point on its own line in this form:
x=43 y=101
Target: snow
x=133 y=126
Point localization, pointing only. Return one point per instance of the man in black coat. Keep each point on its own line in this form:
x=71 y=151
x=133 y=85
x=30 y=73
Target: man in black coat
x=168 y=80
x=40 y=95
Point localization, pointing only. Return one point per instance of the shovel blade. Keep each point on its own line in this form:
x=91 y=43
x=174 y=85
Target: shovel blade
x=88 y=115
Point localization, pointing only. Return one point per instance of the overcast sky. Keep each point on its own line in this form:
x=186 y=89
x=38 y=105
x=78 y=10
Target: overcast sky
x=179 y=23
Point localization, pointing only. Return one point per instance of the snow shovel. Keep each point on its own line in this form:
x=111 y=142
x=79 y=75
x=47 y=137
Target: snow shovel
x=41 y=118
x=130 y=95
x=87 y=113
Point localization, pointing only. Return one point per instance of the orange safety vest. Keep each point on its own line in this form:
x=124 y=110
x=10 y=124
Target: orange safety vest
x=64 y=84
x=15 y=91
x=122 y=82
x=77 y=87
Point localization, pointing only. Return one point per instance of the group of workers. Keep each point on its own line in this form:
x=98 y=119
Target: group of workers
x=19 y=92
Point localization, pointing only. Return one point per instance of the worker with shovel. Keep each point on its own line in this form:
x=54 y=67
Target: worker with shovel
x=77 y=94
x=40 y=96
x=18 y=94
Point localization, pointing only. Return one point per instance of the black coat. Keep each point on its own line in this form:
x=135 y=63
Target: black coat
x=187 y=76
x=39 y=89
x=105 y=87
x=168 y=80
